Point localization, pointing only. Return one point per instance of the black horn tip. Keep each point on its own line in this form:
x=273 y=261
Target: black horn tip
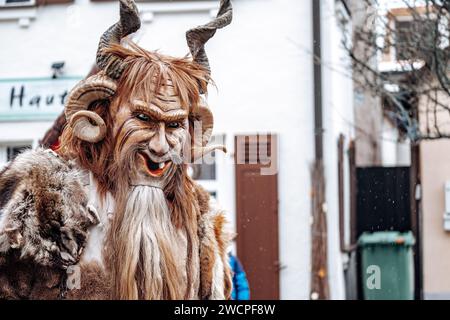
x=129 y=17
x=128 y=5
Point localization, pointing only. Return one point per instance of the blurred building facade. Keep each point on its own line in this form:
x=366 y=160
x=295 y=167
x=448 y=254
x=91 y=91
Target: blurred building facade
x=425 y=164
x=430 y=176
x=263 y=66
x=435 y=200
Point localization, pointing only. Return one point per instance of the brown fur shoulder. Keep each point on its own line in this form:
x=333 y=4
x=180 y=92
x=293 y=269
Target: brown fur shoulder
x=203 y=198
x=23 y=279
x=90 y=282
x=44 y=221
x=215 y=273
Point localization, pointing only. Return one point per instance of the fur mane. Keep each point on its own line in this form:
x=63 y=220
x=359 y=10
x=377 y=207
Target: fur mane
x=146 y=72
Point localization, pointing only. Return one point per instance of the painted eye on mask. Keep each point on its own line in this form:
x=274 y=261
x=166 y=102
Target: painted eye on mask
x=143 y=117
x=173 y=125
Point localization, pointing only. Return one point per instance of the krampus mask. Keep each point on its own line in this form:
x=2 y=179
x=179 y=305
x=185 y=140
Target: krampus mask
x=153 y=103
x=134 y=126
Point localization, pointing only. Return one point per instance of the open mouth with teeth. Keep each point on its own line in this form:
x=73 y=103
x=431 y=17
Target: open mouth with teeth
x=155 y=169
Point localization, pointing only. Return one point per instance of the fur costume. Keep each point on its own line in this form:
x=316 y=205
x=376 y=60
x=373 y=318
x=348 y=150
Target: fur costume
x=44 y=219
x=44 y=223
x=114 y=214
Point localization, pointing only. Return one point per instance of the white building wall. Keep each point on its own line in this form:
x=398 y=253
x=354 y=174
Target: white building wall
x=396 y=151
x=265 y=85
x=262 y=65
x=337 y=95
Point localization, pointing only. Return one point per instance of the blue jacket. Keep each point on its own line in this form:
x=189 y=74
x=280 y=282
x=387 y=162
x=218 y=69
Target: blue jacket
x=241 y=290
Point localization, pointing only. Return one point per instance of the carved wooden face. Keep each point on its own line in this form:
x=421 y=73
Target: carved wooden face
x=151 y=136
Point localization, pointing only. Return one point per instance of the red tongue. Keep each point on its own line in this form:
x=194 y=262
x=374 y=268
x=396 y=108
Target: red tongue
x=157 y=171
x=153 y=167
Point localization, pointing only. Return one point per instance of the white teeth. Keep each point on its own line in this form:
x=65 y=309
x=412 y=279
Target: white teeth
x=161 y=165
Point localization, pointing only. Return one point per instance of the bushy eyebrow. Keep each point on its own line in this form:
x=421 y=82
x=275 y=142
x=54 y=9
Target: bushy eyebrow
x=159 y=115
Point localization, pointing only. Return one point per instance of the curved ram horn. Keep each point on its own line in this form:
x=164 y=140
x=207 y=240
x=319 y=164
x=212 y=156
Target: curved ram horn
x=88 y=125
x=129 y=22
x=197 y=37
x=200 y=145
x=198 y=152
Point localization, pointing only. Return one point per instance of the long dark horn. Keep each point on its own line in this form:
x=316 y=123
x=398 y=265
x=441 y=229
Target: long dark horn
x=197 y=37
x=129 y=22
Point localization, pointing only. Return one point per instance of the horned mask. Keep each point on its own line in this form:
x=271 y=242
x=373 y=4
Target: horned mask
x=167 y=112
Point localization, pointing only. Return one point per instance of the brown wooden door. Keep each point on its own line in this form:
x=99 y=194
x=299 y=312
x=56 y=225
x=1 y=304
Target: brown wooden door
x=257 y=214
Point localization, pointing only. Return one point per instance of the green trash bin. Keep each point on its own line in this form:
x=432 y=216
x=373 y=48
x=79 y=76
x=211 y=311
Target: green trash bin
x=387 y=266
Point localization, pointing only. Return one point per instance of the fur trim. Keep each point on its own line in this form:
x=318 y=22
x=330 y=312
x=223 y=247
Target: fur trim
x=23 y=279
x=44 y=223
x=94 y=284
x=215 y=272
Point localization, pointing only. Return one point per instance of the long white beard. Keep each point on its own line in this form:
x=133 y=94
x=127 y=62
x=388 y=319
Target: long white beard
x=154 y=251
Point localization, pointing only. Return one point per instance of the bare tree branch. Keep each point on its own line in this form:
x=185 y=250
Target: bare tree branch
x=402 y=56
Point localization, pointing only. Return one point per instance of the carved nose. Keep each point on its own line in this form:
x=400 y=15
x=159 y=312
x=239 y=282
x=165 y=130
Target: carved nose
x=158 y=144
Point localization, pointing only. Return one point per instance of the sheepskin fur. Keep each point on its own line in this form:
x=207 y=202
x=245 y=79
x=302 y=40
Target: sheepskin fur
x=44 y=222
x=215 y=272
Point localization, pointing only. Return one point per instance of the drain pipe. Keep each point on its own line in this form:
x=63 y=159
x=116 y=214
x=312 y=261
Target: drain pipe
x=317 y=55
x=319 y=248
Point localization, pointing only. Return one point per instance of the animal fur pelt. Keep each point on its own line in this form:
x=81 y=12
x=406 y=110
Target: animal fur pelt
x=215 y=273
x=44 y=222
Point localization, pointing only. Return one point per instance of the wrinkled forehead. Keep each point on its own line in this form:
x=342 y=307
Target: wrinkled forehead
x=163 y=104
x=166 y=97
x=161 y=95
